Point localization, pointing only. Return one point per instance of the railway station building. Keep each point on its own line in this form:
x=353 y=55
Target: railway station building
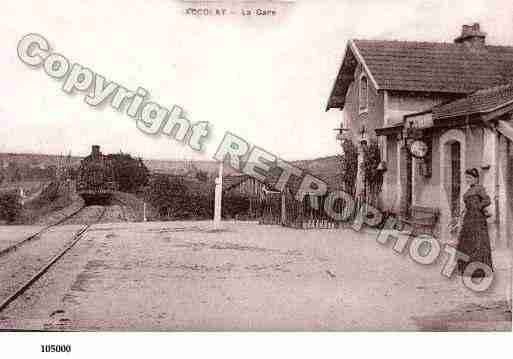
x=435 y=110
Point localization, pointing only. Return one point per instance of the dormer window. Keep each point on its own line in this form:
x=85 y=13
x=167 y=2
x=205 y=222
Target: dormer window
x=363 y=94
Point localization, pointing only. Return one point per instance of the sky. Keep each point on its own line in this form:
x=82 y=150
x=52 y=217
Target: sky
x=266 y=79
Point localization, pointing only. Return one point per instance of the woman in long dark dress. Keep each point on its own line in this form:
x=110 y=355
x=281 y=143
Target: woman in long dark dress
x=474 y=240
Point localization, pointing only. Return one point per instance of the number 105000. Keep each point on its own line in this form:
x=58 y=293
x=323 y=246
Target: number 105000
x=55 y=348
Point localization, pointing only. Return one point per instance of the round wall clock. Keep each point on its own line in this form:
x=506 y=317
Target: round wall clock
x=419 y=149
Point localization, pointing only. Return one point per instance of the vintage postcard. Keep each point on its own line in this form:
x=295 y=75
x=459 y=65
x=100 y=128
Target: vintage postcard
x=183 y=165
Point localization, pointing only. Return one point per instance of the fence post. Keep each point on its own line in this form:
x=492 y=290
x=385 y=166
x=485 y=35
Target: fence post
x=283 y=208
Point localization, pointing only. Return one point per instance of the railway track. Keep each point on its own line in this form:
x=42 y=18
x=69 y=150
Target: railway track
x=64 y=221
x=77 y=236
x=37 y=235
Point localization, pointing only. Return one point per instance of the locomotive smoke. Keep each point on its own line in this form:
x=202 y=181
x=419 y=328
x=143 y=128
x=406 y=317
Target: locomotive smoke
x=151 y=118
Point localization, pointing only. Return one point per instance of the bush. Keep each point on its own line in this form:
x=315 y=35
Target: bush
x=372 y=175
x=202 y=176
x=196 y=207
x=10 y=207
x=349 y=165
x=172 y=199
x=50 y=193
x=235 y=206
x=130 y=173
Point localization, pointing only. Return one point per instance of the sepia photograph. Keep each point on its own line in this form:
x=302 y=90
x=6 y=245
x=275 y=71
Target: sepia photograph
x=171 y=166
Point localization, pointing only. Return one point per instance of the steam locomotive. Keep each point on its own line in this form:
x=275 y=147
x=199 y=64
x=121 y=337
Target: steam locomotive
x=96 y=180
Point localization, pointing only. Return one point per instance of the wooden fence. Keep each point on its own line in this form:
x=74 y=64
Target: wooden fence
x=270 y=208
x=309 y=213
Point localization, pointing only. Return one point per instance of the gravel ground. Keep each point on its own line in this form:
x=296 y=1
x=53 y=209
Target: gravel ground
x=185 y=276
x=10 y=235
x=20 y=265
x=90 y=214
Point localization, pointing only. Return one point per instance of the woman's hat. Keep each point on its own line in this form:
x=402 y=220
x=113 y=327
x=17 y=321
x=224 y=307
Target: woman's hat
x=472 y=172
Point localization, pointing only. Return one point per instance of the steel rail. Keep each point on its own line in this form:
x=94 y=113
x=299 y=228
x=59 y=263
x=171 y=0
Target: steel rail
x=17 y=245
x=23 y=288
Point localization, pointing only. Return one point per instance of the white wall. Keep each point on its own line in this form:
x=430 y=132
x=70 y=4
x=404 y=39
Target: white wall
x=399 y=104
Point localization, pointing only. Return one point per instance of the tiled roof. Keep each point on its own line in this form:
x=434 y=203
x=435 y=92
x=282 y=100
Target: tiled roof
x=437 y=67
x=426 y=66
x=479 y=102
x=325 y=168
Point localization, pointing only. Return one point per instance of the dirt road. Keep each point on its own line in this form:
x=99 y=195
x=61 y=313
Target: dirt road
x=184 y=276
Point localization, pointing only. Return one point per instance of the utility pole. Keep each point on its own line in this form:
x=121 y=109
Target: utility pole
x=218 y=198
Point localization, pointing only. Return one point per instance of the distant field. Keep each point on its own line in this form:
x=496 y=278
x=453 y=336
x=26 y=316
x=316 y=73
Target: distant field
x=35 y=159
x=164 y=166
x=323 y=167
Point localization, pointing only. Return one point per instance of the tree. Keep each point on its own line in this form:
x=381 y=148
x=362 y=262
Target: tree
x=166 y=190
x=202 y=176
x=172 y=198
x=10 y=206
x=349 y=165
x=372 y=175
x=130 y=173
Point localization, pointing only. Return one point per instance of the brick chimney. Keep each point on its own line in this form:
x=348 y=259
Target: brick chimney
x=95 y=151
x=471 y=35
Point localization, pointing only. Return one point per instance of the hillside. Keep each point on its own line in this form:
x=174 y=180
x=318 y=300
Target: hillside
x=181 y=167
x=325 y=167
x=35 y=160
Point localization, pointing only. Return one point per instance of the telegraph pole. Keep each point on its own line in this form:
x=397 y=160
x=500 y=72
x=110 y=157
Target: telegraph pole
x=218 y=198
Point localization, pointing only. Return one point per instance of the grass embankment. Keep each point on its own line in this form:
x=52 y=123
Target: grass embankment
x=55 y=202
x=136 y=204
